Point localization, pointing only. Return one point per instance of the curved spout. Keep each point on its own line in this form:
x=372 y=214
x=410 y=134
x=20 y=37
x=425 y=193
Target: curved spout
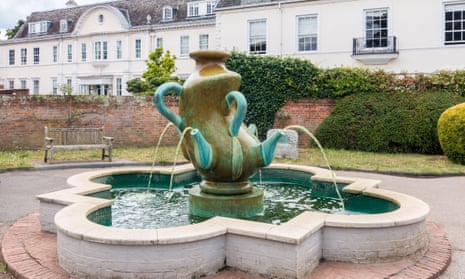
x=268 y=147
x=203 y=152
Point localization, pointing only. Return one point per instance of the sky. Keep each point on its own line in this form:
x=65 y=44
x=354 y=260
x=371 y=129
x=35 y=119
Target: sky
x=13 y=10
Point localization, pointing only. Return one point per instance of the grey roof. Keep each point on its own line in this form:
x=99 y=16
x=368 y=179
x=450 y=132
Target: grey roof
x=135 y=11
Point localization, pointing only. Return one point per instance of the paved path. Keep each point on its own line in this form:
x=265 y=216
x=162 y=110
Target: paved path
x=446 y=196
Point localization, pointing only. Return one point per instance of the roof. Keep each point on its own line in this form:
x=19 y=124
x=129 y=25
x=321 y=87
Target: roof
x=227 y=4
x=135 y=12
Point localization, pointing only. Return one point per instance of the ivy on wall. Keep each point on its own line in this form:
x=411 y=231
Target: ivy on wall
x=268 y=82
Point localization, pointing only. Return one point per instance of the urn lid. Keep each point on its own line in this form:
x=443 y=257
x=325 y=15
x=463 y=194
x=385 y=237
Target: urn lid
x=202 y=56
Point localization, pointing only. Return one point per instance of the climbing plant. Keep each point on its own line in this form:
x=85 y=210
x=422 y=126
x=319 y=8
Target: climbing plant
x=268 y=82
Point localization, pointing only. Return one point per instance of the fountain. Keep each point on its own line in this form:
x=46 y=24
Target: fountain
x=224 y=155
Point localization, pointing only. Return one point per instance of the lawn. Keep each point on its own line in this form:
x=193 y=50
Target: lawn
x=412 y=164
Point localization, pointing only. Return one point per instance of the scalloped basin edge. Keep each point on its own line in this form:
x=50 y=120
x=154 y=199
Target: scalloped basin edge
x=290 y=250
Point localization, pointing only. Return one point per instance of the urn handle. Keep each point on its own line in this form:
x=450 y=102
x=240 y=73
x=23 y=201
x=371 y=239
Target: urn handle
x=158 y=101
x=241 y=110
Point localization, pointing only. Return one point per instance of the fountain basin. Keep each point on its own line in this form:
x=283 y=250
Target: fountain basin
x=290 y=250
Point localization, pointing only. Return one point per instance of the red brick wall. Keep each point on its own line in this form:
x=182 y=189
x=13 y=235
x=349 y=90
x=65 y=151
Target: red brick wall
x=133 y=121
x=308 y=113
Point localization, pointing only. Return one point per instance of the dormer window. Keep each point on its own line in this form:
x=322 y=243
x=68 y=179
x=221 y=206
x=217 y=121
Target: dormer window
x=200 y=8
x=167 y=13
x=39 y=27
x=63 y=25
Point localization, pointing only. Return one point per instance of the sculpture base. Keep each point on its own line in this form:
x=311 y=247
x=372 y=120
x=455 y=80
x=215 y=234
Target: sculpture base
x=239 y=206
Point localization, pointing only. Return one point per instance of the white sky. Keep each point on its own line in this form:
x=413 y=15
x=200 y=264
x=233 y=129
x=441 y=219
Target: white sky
x=13 y=10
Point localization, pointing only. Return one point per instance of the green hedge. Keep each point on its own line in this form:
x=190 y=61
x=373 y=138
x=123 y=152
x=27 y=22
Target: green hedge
x=392 y=122
x=451 y=132
x=268 y=82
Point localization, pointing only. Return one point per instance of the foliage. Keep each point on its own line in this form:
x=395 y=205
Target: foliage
x=160 y=67
x=451 y=133
x=137 y=86
x=268 y=82
x=343 y=81
x=11 y=33
x=393 y=122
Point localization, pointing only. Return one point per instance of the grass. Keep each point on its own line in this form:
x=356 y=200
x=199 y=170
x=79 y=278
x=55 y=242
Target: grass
x=412 y=164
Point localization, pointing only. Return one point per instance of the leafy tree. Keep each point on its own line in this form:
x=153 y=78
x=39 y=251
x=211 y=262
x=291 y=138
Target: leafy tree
x=160 y=67
x=10 y=33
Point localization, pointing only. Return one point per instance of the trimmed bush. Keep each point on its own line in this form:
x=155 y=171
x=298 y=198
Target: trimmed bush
x=268 y=82
x=390 y=122
x=451 y=133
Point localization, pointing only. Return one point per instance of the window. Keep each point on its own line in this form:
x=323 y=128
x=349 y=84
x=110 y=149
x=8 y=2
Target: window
x=210 y=7
x=119 y=49
x=83 y=52
x=35 y=88
x=193 y=9
x=69 y=53
x=203 y=41
x=39 y=27
x=184 y=51
x=167 y=13
x=138 y=48
x=23 y=56
x=11 y=84
x=36 y=53
x=159 y=42
x=100 y=18
x=454 y=25
x=69 y=85
x=376 y=28
x=54 y=87
x=119 y=86
x=55 y=54
x=101 y=50
x=23 y=84
x=11 y=57
x=257 y=36
x=63 y=25
x=307 y=33
x=200 y=8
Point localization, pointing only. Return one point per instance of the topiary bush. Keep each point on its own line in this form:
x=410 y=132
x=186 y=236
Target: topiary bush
x=451 y=133
x=391 y=122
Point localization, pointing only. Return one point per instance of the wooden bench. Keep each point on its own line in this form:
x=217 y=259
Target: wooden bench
x=76 y=138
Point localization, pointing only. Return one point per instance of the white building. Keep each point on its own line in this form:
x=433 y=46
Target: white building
x=400 y=36
x=95 y=49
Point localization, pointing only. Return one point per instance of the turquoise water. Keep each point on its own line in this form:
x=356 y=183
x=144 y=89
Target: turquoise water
x=137 y=207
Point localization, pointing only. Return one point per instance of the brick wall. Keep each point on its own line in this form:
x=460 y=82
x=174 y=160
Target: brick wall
x=133 y=121
x=308 y=113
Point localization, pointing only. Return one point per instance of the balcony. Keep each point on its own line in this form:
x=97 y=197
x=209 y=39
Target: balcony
x=377 y=51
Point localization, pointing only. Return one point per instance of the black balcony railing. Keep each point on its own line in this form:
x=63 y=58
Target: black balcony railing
x=386 y=45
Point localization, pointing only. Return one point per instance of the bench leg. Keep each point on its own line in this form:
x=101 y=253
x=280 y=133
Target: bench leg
x=103 y=154
x=110 y=153
x=45 y=156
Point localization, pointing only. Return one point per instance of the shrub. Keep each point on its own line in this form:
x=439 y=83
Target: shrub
x=390 y=122
x=451 y=133
x=268 y=82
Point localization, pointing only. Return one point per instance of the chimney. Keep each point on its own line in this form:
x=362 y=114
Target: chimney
x=71 y=4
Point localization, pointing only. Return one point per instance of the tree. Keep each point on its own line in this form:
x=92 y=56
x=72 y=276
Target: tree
x=160 y=67
x=10 y=33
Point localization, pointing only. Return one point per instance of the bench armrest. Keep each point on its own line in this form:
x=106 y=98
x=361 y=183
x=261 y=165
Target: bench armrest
x=109 y=139
x=48 y=139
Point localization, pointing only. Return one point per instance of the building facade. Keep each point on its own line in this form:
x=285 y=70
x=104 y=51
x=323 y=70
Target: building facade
x=96 y=49
x=414 y=36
